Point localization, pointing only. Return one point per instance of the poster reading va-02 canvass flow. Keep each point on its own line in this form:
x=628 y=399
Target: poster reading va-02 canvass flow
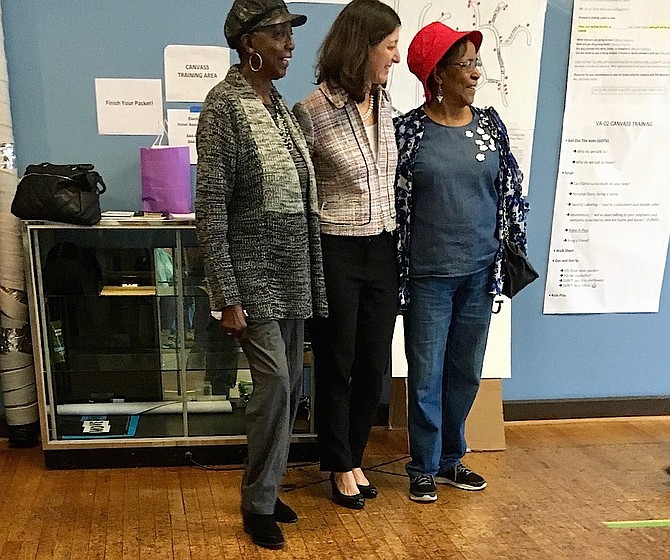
x=611 y=213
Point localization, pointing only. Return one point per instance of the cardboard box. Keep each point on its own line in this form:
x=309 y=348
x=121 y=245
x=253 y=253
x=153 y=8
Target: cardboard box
x=484 y=428
x=398 y=404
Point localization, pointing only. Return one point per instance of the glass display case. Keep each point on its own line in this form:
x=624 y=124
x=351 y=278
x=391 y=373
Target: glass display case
x=127 y=353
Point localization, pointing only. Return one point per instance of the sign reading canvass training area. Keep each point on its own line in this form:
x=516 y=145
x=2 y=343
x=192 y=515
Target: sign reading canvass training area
x=192 y=70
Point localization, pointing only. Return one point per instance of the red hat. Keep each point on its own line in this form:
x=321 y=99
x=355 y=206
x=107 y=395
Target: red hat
x=430 y=44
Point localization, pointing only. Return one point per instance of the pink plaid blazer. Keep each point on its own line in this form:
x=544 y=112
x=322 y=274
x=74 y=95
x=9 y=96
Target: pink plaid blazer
x=355 y=190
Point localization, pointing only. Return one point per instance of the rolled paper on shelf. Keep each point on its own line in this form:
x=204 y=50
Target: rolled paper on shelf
x=130 y=408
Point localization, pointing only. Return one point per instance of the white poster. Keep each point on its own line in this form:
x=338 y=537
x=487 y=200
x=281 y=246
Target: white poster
x=510 y=53
x=498 y=355
x=398 y=360
x=192 y=70
x=129 y=106
x=611 y=214
x=182 y=126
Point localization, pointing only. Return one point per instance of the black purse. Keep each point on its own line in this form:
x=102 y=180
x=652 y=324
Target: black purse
x=517 y=270
x=59 y=193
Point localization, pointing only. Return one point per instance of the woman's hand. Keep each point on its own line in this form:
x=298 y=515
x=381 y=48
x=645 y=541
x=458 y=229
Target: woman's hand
x=234 y=321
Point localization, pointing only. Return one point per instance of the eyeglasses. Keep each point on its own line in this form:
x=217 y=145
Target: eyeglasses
x=468 y=65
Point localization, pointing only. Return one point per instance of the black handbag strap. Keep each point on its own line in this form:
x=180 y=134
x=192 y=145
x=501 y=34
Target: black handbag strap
x=505 y=228
x=74 y=172
x=96 y=182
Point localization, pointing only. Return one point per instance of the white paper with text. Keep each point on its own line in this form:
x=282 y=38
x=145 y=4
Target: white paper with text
x=611 y=214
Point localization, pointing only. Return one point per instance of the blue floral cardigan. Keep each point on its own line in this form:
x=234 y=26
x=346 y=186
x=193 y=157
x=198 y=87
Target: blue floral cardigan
x=409 y=130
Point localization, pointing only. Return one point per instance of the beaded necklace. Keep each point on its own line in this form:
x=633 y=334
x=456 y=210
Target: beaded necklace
x=280 y=122
x=371 y=107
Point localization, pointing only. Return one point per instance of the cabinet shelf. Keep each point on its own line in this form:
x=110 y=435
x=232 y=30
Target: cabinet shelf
x=126 y=351
x=128 y=291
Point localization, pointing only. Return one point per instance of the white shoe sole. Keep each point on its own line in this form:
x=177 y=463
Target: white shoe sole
x=424 y=498
x=441 y=480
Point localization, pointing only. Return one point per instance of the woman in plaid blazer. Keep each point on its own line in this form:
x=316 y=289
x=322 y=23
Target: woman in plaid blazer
x=348 y=126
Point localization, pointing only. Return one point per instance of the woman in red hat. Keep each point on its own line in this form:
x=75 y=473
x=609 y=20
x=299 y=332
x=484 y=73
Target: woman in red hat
x=348 y=125
x=459 y=187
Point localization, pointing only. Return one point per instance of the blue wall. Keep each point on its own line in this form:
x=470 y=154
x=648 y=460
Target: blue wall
x=56 y=49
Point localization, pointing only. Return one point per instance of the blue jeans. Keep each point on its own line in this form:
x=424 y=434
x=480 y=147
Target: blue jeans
x=446 y=327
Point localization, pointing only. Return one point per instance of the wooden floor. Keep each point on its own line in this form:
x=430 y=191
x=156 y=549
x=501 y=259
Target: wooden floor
x=548 y=496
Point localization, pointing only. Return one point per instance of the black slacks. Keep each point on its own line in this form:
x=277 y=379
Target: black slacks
x=352 y=347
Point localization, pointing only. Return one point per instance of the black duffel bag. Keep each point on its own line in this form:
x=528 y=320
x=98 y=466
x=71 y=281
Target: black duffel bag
x=59 y=193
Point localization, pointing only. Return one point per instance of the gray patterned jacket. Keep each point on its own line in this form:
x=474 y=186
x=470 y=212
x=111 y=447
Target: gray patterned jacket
x=258 y=228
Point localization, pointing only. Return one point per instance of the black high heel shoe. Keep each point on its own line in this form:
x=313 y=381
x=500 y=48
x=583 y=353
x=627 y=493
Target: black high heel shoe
x=368 y=491
x=357 y=501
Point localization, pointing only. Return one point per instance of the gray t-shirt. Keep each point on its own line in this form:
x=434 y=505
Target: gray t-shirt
x=454 y=201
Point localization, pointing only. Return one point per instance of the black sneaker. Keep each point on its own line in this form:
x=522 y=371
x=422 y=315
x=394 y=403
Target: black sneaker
x=422 y=488
x=461 y=477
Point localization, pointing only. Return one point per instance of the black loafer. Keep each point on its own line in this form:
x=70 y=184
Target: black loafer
x=284 y=513
x=368 y=491
x=357 y=501
x=263 y=530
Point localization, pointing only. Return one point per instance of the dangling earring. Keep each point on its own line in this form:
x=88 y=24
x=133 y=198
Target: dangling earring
x=260 y=62
x=439 y=95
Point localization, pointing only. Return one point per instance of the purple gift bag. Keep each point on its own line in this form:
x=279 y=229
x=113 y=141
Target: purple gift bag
x=166 y=179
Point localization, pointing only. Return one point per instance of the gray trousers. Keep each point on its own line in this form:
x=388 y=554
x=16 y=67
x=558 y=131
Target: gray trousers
x=274 y=349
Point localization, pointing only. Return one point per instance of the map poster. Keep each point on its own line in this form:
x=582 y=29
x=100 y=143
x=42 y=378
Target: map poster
x=510 y=54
